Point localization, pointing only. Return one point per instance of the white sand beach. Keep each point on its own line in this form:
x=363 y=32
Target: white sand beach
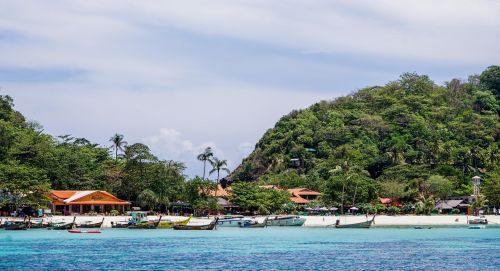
x=312 y=221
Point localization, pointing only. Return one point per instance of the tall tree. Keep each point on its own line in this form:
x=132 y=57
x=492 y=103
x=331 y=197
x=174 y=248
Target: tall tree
x=217 y=166
x=204 y=157
x=118 y=143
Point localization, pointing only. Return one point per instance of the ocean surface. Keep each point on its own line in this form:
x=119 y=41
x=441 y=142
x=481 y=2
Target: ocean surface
x=270 y=248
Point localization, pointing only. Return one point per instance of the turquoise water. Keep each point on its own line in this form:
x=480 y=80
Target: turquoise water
x=253 y=249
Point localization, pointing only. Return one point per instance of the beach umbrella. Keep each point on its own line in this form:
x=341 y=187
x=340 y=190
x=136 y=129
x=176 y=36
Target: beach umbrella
x=309 y=209
x=323 y=209
x=354 y=208
x=333 y=209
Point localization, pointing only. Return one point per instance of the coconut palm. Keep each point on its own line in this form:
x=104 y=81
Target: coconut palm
x=118 y=143
x=217 y=166
x=479 y=204
x=204 y=157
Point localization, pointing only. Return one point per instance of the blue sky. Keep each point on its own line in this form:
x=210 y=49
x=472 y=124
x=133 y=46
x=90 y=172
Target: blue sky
x=183 y=75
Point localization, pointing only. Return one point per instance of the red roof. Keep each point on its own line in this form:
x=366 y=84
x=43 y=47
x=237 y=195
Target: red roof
x=76 y=197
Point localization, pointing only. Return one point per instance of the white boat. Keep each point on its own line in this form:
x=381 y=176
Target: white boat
x=287 y=220
x=231 y=220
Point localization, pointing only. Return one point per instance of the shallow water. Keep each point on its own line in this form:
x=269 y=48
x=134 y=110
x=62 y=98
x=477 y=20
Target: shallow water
x=271 y=248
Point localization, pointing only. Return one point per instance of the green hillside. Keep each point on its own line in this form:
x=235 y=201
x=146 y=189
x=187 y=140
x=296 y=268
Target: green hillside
x=409 y=138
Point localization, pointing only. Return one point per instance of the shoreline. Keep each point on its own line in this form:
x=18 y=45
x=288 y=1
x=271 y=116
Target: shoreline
x=381 y=221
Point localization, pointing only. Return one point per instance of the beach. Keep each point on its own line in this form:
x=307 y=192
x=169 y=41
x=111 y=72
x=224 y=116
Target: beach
x=311 y=221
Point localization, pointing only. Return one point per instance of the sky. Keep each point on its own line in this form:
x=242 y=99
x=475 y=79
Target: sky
x=183 y=75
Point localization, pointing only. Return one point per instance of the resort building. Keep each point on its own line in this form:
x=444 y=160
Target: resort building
x=71 y=202
x=302 y=196
x=299 y=196
x=462 y=204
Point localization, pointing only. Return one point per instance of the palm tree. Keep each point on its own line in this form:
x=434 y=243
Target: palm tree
x=204 y=157
x=118 y=143
x=217 y=166
x=478 y=204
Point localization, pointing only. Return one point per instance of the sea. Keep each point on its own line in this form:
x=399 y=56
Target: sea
x=272 y=248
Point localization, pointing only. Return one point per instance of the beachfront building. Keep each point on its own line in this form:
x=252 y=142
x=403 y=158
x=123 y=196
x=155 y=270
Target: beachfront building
x=70 y=202
x=222 y=198
x=302 y=196
x=461 y=204
x=299 y=196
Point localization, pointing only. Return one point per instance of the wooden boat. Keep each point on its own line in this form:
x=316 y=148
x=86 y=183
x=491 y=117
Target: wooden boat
x=63 y=226
x=481 y=221
x=39 y=224
x=207 y=227
x=15 y=225
x=360 y=225
x=80 y=231
x=170 y=224
x=288 y=220
x=90 y=224
x=231 y=220
x=252 y=224
x=145 y=224
x=120 y=224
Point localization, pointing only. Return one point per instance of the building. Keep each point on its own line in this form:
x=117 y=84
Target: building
x=302 y=196
x=460 y=203
x=71 y=202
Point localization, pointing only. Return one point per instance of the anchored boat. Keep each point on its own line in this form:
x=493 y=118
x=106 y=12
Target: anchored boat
x=361 y=225
x=169 y=224
x=252 y=224
x=287 y=220
x=231 y=220
x=63 y=225
x=208 y=227
x=90 y=224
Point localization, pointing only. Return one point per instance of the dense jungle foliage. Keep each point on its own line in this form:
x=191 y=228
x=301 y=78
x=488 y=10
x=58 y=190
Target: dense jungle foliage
x=411 y=139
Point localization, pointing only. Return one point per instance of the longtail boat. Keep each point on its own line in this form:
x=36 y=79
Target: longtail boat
x=63 y=225
x=170 y=224
x=145 y=224
x=253 y=224
x=361 y=225
x=90 y=224
x=38 y=224
x=120 y=224
x=287 y=220
x=15 y=225
x=207 y=227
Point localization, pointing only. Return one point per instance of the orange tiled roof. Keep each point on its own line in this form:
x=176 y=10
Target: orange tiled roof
x=303 y=191
x=299 y=200
x=75 y=197
x=63 y=194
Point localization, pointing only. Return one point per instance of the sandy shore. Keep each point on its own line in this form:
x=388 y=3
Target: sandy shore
x=312 y=221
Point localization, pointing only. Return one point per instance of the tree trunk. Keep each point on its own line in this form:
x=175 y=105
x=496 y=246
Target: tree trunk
x=342 y=200
x=217 y=183
x=204 y=166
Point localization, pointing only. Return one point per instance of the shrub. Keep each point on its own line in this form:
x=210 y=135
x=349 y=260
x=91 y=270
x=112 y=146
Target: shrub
x=380 y=208
x=114 y=212
x=393 y=210
x=455 y=211
x=408 y=208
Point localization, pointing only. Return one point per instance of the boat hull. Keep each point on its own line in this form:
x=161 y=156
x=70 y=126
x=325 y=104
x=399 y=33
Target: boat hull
x=208 y=227
x=282 y=222
x=170 y=224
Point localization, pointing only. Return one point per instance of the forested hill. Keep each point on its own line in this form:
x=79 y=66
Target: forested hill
x=404 y=132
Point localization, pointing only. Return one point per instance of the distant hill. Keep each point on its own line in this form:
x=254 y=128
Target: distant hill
x=404 y=131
